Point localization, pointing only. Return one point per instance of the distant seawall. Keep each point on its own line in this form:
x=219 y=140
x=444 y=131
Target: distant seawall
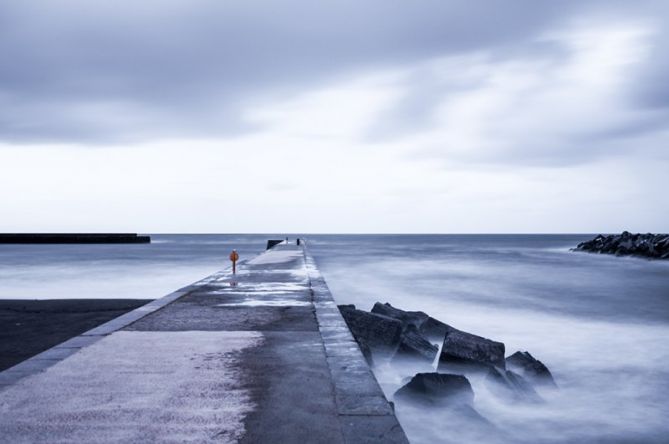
x=73 y=238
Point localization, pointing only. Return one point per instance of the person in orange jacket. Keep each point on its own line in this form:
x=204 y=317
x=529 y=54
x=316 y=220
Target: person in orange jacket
x=233 y=257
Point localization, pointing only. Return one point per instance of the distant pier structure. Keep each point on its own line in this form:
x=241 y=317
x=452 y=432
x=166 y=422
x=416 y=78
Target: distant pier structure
x=73 y=238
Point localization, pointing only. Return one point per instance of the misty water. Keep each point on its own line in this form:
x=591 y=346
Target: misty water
x=600 y=323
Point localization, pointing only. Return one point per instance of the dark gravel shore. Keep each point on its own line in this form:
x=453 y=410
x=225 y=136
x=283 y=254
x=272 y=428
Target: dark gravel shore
x=30 y=327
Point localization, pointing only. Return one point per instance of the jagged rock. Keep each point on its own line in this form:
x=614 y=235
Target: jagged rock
x=530 y=368
x=654 y=246
x=465 y=352
x=432 y=329
x=441 y=389
x=509 y=385
x=451 y=394
x=364 y=348
x=414 y=346
x=379 y=333
x=366 y=352
x=415 y=318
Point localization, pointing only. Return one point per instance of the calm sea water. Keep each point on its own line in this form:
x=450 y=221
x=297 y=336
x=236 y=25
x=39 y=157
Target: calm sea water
x=601 y=323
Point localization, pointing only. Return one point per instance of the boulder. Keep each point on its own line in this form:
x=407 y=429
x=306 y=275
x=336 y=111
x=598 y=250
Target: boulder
x=430 y=328
x=415 y=318
x=653 y=246
x=440 y=389
x=434 y=329
x=466 y=352
x=530 y=368
x=380 y=334
x=511 y=386
x=414 y=346
x=366 y=352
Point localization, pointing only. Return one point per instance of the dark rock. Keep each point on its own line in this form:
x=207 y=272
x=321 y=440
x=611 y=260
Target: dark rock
x=432 y=329
x=414 y=346
x=451 y=398
x=509 y=385
x=465 y=352
x=652 y=246
x=380 y=334
x=415 y=318
x=366 y=352
x=440 y=389
x=530 y=368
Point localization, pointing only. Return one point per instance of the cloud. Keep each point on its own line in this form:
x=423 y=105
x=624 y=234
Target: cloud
x=556 y=108
x=377 y=116
x=97 y=72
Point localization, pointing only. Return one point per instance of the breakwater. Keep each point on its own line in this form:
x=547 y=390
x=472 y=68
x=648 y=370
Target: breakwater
x=73 y=238
x=652 y=246
x=258 y=356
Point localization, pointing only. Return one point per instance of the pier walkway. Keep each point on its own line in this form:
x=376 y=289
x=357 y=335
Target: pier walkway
x=259 y=357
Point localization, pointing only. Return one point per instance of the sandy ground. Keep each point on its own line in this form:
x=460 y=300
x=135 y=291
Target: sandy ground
x=30 y=327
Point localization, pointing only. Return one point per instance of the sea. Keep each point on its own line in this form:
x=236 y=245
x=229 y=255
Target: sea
x=599 y=322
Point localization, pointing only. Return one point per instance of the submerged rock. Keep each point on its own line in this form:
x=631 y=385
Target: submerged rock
x=654 y=246
x=432 y=329
x=380 y=334
x=464 y=351
x=447 y=398
x=437 y=389
x=530 y=368
x=509 y=385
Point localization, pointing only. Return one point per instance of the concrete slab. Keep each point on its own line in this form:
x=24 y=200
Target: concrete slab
x=289 y=380
x=178 y=387
x=373 y=429
x=79 y=341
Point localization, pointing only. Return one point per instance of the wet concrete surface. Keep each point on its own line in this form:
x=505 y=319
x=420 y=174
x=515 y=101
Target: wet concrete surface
x=263 y=356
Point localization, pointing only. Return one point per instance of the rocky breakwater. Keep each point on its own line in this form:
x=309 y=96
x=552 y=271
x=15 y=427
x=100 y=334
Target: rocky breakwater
x=448 y=359
x=653 y=246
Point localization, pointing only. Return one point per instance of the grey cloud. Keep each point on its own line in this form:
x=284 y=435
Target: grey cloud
x=99 y=72
x=644 y=104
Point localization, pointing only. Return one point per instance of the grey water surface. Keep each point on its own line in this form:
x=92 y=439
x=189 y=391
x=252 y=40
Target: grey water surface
x=601 y=323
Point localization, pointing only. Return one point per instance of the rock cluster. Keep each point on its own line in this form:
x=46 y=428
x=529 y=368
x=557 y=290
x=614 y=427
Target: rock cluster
x=391 y=334
x=654 y=246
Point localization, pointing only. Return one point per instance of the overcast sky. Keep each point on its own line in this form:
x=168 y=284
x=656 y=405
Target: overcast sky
x=349 y=116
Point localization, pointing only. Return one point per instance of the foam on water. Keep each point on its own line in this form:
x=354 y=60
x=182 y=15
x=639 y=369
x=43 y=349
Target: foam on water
x=600 y=323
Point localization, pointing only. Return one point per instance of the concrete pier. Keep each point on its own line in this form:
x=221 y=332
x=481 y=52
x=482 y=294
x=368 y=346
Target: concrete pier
x=262 y=356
